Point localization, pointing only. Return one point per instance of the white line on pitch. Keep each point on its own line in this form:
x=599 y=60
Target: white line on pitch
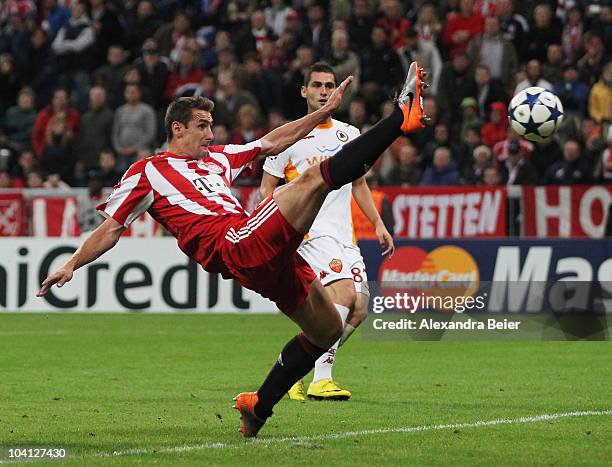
x=352 y=434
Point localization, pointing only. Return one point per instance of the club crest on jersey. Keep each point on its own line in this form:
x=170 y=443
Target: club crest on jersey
x=342 y=136
x=211 y=168
x=335 y=265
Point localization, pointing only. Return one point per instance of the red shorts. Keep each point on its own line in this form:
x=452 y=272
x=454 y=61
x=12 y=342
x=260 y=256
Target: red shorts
x=260 y=252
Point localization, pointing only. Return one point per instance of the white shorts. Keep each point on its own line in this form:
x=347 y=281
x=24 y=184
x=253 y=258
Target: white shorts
x=332 y=261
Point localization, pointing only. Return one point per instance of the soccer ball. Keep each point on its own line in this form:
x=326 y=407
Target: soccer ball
x=535 y=113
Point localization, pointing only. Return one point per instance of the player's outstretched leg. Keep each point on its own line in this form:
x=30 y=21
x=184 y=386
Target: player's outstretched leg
x=321 y=327
x=356 y=157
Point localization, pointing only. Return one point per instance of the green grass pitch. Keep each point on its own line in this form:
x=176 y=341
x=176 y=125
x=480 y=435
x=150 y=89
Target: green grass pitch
x=155 y=388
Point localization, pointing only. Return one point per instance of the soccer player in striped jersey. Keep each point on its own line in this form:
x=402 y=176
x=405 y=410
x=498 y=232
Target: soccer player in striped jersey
x=187 y=190
x=329 y=248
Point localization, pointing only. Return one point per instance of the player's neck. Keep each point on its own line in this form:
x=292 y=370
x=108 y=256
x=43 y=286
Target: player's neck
x=325 y=123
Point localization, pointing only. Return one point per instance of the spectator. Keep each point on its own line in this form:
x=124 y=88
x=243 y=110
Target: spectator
x=57 y=154
x=289 y=40
x=266 y=85
x=276 y=16
x=254 y=35
x=461 y=28
x=572 y=92
x=381 y=69
x=345 y=62
x=427 y=25
x=55 y=182
x=358 y=114
x=545 y=153
x=441 y=138
x=40 y=69
x=232 y=99
x=9 y=83
x=426 y=53
x=170 y=37
x=141 y=27
x=552 y=69
x=26 y=162
x=473 y=174
x=470 y=118
x=514 y=26
x=19 y=121
x=534 y=78
x=187 y=72
x=501 y=150
x=5 y=180
x=134 y=127
x=316 y=32
x=221 y=135
x=443 y=170
x=360 y=25
x=35 y=179
x=471 y=140
x=107 y=28
x=59 y=106
x=591 y=65
x=497 y=53
x=407 y=171
x=107 y=168
x=110 y=76
x=545 y=30
x=89 y=217
x=573 y=169
x=75 y=40
x=571 y=35
x=456 y=83
x=154 y=72
x=591 y=139
x=600 y=98
x=96 y=130
x=605 y=166
x=294 y=105
x=496 y=129
x=228 y=67
x=519 y=170
x=394 y=23
x=488 y=91
x=492 y=176
x=53 y=17
x=247 y=128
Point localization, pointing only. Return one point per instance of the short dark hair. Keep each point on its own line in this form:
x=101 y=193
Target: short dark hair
x=180 y=110
x=319 y=67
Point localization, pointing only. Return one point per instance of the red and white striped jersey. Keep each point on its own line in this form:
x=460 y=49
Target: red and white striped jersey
x=191 y=198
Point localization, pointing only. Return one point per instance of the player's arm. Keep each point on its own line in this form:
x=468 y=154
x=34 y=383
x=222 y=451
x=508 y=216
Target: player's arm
x=99 y=242
x=363 y=198
x=284 y=136
x=268 y=183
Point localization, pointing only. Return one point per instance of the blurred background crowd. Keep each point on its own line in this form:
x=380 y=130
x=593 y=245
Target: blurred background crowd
x=84 y=84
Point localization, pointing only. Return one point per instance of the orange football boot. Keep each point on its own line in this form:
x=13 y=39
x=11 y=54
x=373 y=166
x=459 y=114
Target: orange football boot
x=251 y=423
x=410 y=100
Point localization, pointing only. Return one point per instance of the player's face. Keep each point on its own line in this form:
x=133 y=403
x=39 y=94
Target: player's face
x=318 y=90
x=193 y=140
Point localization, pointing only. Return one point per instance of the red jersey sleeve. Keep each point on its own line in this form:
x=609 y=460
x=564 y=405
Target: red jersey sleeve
x=131 y=197
x=234 y=157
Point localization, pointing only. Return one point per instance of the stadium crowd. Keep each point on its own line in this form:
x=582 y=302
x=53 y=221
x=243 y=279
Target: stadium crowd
x=84 y=84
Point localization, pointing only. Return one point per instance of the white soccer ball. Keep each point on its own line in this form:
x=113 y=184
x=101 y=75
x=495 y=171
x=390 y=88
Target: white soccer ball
x=535 y=113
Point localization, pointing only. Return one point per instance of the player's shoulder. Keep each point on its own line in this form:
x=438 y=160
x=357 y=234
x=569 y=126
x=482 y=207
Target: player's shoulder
x=346 y=127
x=234 y=148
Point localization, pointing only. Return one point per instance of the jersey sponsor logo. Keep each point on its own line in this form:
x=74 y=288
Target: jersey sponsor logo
x=336 y=265
x=325 y=148
x=211 y=167
x=308 y=137
x=342 y=136
x=314 y=160
x=323 y=275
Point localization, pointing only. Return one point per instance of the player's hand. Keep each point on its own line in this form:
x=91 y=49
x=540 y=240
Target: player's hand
x=60 y=277
x=385 y=239
x=335 y=98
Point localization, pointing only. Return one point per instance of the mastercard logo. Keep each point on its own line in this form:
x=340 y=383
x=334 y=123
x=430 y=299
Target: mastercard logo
x=446 y=270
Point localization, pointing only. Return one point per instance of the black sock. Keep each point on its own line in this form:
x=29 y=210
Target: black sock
x=296 y=360
x=356 y=157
